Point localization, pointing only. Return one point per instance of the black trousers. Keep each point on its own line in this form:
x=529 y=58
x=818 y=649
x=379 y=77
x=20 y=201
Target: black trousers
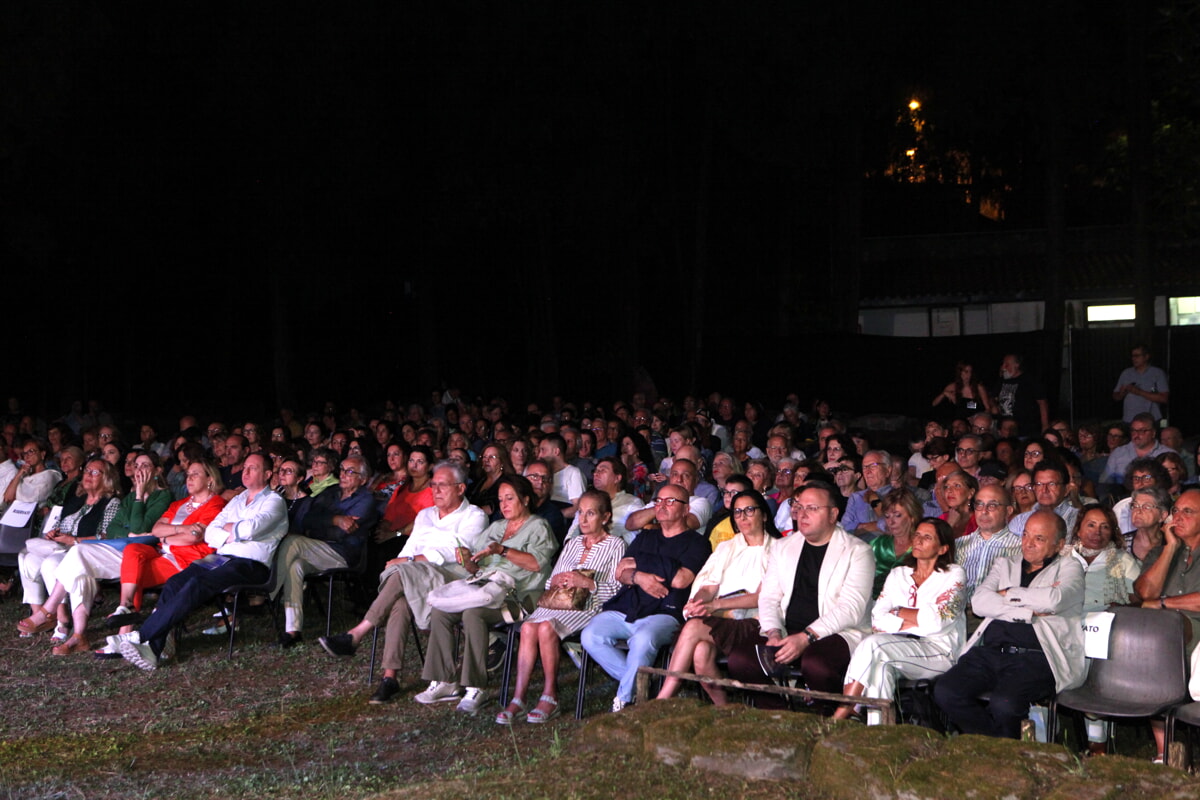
x=1014 y=679
x=192 y=588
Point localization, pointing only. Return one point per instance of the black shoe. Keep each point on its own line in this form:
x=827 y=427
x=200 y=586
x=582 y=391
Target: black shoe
x=340 y=644
x=290 y=640
x=495 y=654
x=116 y=621
x=388 y=688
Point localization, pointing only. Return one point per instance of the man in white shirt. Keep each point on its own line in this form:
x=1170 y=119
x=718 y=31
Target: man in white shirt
x=568 y=481
x=245 y=535
x=609 y=477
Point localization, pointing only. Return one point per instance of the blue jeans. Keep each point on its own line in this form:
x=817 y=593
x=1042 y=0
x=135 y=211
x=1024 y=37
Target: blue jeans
x=644 y=638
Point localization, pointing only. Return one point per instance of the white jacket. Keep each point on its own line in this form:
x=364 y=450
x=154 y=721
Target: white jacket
x=843 y=590
x=1057 y=594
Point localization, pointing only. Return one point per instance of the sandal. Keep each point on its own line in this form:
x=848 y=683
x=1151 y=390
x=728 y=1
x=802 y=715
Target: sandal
x=123 y=615
x=507 y=717
x=537 y=716
x=29 y=626
x=76 y=644
x=61 y=633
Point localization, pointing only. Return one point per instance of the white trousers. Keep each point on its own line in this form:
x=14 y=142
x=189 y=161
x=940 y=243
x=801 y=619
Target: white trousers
x=37 y=564
x=880 y=660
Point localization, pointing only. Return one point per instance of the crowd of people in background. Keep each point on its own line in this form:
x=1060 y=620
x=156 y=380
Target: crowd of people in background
x=754 y=541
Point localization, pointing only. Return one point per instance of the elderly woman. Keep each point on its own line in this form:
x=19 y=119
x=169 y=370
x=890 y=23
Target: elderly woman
x=723 y=466
x=40 y=559
x=83 y=566
x=322 y=470
x=900 y=510
x=1109 y=570
x=589 y=561
x=520 y=545
x=723 y=610
x=919 y=620
x=1148 y=510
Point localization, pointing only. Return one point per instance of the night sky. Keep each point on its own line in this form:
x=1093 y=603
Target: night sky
x=236 y=206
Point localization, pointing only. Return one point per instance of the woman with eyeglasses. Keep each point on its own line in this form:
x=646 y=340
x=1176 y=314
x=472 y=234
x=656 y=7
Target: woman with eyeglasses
x=723 y=610
x=919 y=621
x=1020 y=486
x=322 y=470
x=1149 y=508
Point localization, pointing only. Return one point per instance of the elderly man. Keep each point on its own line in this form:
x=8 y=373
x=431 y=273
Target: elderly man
x=861 y=508
x=657 y=574
x=245 y=535
x=1051 y=482
x=333 y=537
x=429 y=559
x=1021 y=396
x=609 y=477
x=1142 y=444
x=991 y=540
x=815 y=600
x=1031 y=642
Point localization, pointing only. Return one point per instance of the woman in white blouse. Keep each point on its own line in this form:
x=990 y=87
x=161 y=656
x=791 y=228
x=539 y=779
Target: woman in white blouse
x=919 y=620
x=723 y=609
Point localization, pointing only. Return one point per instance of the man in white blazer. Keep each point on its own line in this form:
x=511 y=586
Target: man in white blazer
x=1031 y=642
x=815 y=600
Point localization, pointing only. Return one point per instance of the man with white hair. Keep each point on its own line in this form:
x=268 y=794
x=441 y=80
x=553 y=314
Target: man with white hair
x=861 y=507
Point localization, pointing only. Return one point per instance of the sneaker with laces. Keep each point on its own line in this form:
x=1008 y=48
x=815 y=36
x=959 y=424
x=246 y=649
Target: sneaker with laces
x=115 y=640
x=473 y=699
x=140 y=655
x=439 y=692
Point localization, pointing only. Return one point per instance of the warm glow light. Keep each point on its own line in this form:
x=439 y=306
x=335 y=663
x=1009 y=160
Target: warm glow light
x=911 y=152
x=914 y=105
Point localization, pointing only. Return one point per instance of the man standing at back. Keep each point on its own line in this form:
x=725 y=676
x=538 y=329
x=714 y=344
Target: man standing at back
x=1021 y=397
x=1142 y=387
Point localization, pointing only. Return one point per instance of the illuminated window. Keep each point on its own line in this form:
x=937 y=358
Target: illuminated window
x=1122 y=312
x=1184 y=310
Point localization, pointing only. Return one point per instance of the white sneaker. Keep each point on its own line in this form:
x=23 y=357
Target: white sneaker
x=140 y=655
x=115 y=640
x=618 y=704
x=474 y=699
x=439 y=692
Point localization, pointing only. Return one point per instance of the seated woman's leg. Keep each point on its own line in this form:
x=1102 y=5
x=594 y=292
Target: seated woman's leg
x=548 y=645
x=527 y=655
x=694 y=632
x=141 y=566
x=29 y=564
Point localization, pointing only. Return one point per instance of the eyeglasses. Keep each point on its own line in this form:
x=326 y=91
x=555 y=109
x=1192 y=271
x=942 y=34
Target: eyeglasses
x=348 y=471
x=1143 y=478
x=1047 y=485
x=28 y=453
x=991 y=506
x=1142 y=507
x=746 y=511
x=537 y=477
x=93 y=472
x=1033 y=453
x=966 y=451
x=809 y=509
x=1141 y=430
x=1026 y=488
x=877 y=465
x=668 y=501
x=287 y=471
x=837 y=470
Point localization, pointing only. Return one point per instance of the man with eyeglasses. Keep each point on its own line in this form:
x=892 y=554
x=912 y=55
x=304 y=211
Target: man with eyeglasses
x=657 y=574
x=685 y=474
x=1050 y=485
x=976 y=552
x=1142 y=444
x=1142 y=387
x=539 y=475
x=335 y=530
x=430 y=558
x=862 y=507
x=967 y=453
x=815 y=600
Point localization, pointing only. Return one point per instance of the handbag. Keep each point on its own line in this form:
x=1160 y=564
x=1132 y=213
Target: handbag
x=480 y=591
x=568 y=598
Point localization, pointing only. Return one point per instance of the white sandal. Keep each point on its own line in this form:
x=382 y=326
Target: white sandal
x=537 y=717
x=61 y=633
x=507 y=717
